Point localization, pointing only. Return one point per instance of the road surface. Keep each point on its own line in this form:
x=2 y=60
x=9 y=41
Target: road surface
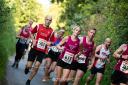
x=17 y=76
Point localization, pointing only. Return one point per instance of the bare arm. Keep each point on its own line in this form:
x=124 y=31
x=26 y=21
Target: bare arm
x=98 y=48
x=118 y=53
x=52 y=39
x=92 y=58
x=80 y=50
x=108 y=59
x=32 y=34
x=93 y=55
x=59 y=46
x=80 y=47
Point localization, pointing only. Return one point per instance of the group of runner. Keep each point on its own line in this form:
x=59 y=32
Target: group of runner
x=69 y=57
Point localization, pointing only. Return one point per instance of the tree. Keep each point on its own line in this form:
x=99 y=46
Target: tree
x=7 y=35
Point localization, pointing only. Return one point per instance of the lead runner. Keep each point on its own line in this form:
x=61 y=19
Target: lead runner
x=44 y=38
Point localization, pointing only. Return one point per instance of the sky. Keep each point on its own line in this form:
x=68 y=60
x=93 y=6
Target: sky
x=45 y=3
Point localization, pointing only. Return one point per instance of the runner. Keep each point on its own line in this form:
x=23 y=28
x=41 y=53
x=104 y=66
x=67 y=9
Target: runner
x=21 y=45
x=52 y=56
x=120 y=74
x=67 y=57
x=85 y=55
x=102 y=53
x=44 y=38
x=29 y=43
x=30 y=26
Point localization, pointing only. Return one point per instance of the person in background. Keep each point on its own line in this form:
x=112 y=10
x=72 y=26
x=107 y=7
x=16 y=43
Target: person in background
x=29 y=41
x=53 y=55
x=102 y=53
x=21 y=45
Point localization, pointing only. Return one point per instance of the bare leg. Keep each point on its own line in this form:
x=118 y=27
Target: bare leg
x=72 y=75
x=33 y=73
x=89 y=79
x=98 y=78
x=52 y=67
x=58 y=72
x=46 y=73
x=34 y=70
x=28 y=66
x=64 y=77
x=78 y=76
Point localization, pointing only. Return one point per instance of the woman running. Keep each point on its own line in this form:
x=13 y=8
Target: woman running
x=67 y=57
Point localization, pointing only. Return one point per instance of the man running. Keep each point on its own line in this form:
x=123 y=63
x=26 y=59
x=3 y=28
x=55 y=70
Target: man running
x=101 y=56
x=120 y=74
x=44 y=38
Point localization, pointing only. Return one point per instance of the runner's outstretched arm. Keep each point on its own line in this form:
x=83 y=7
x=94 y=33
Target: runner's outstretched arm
x=92 y=58
x=118 y=53
x=59 y=46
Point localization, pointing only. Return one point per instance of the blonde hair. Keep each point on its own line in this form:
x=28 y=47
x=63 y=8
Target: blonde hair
x=75 y=26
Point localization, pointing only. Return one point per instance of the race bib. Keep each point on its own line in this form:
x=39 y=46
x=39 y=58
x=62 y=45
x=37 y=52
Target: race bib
x=41 y=44
x=68 y=57
x=23 y=41
x=124 y=67
x=53 y=48
x=100 y=63
x=82 y=58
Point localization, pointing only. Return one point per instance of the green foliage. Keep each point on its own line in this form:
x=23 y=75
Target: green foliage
x=7 y=35
x=24 y=10
x=14 y=14
x=109 y=17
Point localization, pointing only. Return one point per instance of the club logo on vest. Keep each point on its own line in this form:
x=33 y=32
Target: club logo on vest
x=72 y=47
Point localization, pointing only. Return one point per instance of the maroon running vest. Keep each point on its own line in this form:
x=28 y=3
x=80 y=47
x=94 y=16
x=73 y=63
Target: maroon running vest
x=87 y=49
x=121 y=63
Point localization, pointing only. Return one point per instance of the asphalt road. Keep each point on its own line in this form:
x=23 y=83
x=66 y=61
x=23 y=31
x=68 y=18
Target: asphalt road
x=17 y=77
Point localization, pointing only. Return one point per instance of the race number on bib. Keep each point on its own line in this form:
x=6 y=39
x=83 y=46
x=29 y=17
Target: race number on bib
x=68 y=57
x=100 y=63
x=54 y=49
x=82 y=58
x=23 y=41
x=124 y=67
x=41 y=43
